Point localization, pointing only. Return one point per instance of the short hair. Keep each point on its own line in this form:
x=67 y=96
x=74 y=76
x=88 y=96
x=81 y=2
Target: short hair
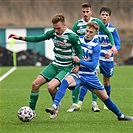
x=105 y=9
x=94 y=25
x=58 y=17
x=86 y=5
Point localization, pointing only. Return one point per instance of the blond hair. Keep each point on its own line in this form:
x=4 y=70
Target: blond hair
x=94 y=25
x=58 y=17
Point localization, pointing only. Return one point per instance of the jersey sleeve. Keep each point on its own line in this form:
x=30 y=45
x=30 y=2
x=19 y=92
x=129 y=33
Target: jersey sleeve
x=103 y=28
x=74 y=28
x=116 y=39
x=95 y=58
x=39 y=38
x=74 y=39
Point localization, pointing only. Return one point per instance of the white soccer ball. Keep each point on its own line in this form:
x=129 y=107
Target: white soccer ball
x=38 y=64
x=25 y=114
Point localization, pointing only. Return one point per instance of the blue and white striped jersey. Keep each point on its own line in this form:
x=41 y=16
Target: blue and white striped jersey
x=105 y=43
x=91 y=52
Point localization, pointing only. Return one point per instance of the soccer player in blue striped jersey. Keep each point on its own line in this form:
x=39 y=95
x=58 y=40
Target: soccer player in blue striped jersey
x=79 y=28
x=86 y=75
x=106 y=61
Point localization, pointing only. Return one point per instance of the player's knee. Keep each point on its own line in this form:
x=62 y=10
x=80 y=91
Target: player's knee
x=35 y=86
x=106 y=83
x=52 y=88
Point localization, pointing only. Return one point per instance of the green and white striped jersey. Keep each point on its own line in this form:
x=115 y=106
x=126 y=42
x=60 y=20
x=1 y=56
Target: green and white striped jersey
x=63 y=46
x=80 y=26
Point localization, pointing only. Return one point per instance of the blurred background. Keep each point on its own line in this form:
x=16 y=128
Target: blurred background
x=33 y=17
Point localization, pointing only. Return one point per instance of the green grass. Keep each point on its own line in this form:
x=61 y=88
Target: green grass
x=15 y=90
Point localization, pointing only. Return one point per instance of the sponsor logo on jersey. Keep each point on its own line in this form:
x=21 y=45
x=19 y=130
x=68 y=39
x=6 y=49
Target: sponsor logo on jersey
x=59 y=42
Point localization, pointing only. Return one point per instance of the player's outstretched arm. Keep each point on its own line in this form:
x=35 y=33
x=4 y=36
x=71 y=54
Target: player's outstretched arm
x=16 y=37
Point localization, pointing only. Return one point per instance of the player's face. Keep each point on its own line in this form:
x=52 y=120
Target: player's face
x=104 y=16
x=59 y=28
x=90 y=33
x=86 y=12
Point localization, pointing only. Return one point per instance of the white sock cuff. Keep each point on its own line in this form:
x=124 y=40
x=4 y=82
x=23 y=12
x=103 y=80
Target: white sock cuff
x=54 y=106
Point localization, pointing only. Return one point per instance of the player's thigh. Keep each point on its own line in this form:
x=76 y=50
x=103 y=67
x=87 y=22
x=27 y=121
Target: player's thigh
x=39 y=81
x=49 y=72
x=71 y=81
x=74 y=82
x=62 y=74
x=53 y=84
x=92 y=82
x=107 y=68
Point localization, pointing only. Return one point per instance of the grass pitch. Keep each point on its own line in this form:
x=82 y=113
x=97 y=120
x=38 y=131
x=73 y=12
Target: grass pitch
x=15 y=90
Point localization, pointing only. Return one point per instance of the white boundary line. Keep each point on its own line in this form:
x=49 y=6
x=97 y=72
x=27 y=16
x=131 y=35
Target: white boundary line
x=8 y=73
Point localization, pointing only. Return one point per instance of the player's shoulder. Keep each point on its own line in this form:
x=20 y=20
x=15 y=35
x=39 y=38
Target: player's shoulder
x=79 y=21
x=70 y=33
x=51 y=31
x=81 y=38
x=96 y=40
x=96 y=20
x=111 y=25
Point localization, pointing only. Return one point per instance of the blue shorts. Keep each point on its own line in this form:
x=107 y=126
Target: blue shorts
x=107 y=68
x=90 y=81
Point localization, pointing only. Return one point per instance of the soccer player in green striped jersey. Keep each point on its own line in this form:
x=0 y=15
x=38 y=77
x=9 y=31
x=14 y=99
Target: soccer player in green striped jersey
x=79 y=28
x=65 y=43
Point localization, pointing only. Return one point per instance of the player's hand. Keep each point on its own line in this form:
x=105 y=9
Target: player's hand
x=108 y=54
x=75 y=59
x=13 y=36
x=114 y=49
x=116 y=52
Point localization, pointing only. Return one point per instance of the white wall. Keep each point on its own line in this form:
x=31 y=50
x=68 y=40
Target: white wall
x=22 y=45
x=49 y=47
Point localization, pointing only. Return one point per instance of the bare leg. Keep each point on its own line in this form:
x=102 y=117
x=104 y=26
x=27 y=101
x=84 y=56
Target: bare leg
x=52 y=87
x=36 y=84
